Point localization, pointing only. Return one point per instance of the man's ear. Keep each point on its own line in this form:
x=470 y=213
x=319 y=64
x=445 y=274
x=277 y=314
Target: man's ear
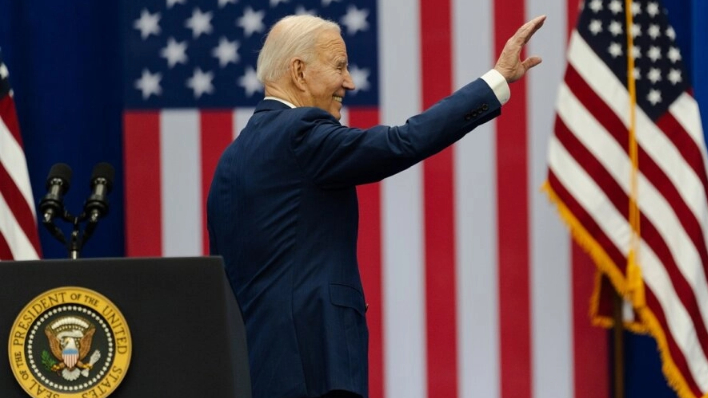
x=297 y=73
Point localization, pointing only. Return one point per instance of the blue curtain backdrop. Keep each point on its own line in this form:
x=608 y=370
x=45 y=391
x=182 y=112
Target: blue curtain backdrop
x=65 y=69
x=64 y=59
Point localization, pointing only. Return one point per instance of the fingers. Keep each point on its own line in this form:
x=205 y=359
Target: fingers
x=537 y=22
x=509 y=64
x=528 y=29
x=534 y=24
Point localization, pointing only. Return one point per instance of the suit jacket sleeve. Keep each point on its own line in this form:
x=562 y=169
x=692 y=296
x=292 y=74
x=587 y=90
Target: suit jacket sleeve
x=336 y=156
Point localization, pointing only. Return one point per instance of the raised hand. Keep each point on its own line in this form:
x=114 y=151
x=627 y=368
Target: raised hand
x=509 y=63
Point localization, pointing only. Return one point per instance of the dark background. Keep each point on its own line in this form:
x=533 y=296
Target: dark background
x=65 y=67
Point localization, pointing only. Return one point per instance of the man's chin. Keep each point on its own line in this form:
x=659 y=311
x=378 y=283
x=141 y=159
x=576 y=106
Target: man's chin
x=337 y=113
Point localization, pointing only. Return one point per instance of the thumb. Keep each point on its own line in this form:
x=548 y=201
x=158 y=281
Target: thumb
x=530 y=62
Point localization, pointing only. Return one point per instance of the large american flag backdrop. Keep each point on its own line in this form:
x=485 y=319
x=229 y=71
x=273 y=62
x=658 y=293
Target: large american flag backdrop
x=590 y=168
x=474 y=286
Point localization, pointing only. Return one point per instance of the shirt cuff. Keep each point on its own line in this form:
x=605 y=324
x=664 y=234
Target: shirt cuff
x=498 y=84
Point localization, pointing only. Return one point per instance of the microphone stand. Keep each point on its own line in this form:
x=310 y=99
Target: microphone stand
x=75 y=245
x=77 y=239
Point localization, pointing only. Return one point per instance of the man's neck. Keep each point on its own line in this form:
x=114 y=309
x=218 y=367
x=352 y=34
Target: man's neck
x=284 y=94
x=274 y=98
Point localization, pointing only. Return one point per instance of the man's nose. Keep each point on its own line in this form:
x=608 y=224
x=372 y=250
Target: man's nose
x=348 y=81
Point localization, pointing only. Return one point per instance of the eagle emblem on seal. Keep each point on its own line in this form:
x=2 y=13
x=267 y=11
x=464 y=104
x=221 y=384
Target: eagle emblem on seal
x=70 y=342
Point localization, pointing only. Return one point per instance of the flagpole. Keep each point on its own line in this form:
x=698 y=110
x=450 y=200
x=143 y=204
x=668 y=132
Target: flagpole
x=618 y=354
x=634 y=277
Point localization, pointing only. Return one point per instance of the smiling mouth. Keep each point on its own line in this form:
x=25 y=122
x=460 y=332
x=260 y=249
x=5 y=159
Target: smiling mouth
x=338 y=98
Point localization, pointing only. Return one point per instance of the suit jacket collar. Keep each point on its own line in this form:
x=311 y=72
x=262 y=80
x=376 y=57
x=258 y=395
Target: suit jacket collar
x=270 y=105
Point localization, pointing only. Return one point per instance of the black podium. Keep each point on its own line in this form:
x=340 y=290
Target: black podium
x=188 y=338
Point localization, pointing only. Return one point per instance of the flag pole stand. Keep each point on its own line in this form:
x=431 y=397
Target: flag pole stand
x=618 y=334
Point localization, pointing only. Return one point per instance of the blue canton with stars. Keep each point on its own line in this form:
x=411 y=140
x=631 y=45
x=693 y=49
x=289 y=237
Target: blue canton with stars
x=658 y=69
x=202 y=53
x=4 y=79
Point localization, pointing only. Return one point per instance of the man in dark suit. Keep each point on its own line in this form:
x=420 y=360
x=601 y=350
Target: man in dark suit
x=282 y=209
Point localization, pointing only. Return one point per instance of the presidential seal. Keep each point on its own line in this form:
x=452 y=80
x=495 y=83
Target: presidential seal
x=70 y=342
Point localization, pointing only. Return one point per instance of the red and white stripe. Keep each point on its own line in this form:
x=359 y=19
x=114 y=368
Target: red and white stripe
x=170 y=156
x=474 y=287
x=19 y=239
x=589 y=171
x=70 y=360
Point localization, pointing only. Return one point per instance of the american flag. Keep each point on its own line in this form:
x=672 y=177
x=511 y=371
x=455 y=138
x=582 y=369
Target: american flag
x=589 y=174
x=474 y=287
x=19 y=239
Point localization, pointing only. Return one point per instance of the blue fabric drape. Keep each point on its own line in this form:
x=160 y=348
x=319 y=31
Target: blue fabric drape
x=65 y=63
x=64 y=60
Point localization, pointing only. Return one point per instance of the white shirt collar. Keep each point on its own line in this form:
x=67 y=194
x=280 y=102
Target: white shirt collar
x=280 y=100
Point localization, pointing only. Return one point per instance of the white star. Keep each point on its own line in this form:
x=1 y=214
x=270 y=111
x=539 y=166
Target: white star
x=636 y=30
x=148 y=23
x=325 y=3
x=636 y=8
x=636 y=52
x=615 y=7
x=175 y=52
x=615 y=28
x=653 y=9
x=274 y=3
x=654 y=96
x=171 y=3
x=637 y=74
x=671 y=33
x=226 y=52
x=251 y=21
x=654 y=75
x=595 y=26
x=149 y=84
x=3 y=71
x=200 y=82
x=615 y=50
x=596 y=6
x=654 y=53
x=223 y=3
x=355 y=20
x=199 y=22
x=674 y=54
x=360 y=78
x=300 y=10
x=250 y=82
x=675 y=76
x=654 y=31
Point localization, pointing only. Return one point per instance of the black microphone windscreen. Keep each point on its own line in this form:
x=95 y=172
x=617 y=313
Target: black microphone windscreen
x=61 y=171
x=103 y=170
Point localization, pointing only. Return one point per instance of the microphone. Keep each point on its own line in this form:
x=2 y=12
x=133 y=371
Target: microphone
x=96 y=205
x=58 y=183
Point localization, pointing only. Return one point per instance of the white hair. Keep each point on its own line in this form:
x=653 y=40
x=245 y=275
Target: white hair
x=296 y=36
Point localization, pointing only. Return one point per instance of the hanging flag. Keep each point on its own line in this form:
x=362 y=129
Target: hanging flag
x=465 y=267
x=19 y=239
x=589 y=169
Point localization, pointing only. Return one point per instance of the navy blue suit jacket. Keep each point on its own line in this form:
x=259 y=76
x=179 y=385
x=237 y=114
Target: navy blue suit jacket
x=282 y=211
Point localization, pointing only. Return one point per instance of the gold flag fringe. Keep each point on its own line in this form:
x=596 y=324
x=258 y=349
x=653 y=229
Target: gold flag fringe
x=630 y=287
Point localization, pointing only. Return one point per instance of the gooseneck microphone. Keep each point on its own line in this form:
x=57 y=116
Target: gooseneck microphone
x=52 y=207
x=58 y=183
x=96 y=205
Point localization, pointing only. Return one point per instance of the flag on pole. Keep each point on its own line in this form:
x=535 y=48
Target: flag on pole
x=19 y=239
x=465 y=267
x=601 y=101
